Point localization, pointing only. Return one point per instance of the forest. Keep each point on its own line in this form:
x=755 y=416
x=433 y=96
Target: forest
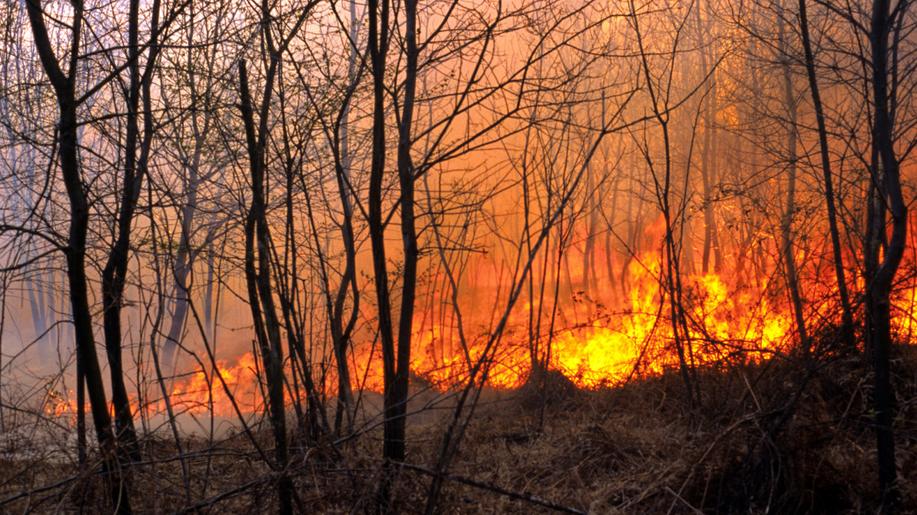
x=458 y=256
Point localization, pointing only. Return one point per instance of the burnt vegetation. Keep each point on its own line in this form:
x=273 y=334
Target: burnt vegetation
x=392 y=256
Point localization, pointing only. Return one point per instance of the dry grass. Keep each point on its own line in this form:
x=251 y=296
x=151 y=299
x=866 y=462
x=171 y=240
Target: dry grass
x=636 y=449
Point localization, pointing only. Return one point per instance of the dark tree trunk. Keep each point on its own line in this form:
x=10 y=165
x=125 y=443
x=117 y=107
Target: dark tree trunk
x=341 y=331
x=847 y=312
x=878 y=303
x=114 y=273
x=258 y=278
x=396 y=360
x=378 y=47
x=396 y=405
x=68 y=148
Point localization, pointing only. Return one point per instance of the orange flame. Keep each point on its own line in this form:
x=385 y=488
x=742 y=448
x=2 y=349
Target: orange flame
x=724 y=320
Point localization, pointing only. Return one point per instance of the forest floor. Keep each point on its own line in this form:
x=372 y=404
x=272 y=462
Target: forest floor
x=762 y=440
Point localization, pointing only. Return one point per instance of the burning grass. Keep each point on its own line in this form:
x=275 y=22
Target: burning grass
x=606 y=346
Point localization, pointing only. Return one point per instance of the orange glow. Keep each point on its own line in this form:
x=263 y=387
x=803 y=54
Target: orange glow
x=197 y=393
x=725 y=320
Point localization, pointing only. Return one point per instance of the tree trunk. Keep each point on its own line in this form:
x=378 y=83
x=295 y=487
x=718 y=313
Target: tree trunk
x=786 y=223
x=114 y=273
x=846 y=310
x=879 y=288
x=258 y=278
x=68 y=148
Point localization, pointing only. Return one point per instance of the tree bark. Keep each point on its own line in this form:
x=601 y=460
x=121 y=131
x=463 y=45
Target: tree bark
x=68 y=149
x=115 y=271
x=878 y=302
x=258 y=278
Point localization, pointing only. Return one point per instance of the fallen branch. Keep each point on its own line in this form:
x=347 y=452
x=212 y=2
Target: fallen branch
x=519 y=496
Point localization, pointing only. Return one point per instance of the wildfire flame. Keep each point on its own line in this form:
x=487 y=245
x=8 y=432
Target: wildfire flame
x=724 y=320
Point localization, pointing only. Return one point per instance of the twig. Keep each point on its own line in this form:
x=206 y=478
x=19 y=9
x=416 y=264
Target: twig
x=519 y=496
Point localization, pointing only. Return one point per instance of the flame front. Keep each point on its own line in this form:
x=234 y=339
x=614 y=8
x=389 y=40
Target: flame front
x=724 y=320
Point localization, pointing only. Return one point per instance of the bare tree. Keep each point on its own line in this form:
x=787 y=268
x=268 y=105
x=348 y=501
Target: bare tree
x=68 y=150
x=886 y=177
x=137 y=155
